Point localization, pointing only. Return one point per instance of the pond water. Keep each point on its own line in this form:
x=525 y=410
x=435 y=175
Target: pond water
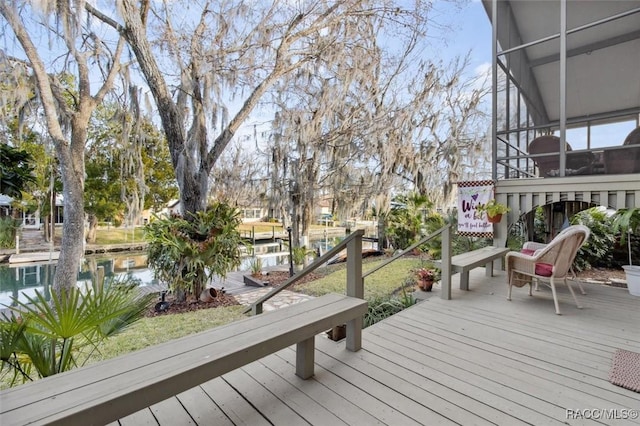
x=16 y=281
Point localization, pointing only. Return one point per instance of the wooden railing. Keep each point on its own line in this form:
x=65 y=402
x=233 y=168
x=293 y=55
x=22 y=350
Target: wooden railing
x=445 y=231
x=355 y=277
x=353 y=244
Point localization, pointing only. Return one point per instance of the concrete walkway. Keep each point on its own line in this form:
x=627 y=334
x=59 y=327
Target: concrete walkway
x=234 y=285
x=281 y=300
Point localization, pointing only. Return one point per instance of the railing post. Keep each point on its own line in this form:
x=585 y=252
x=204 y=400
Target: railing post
x=256 y=309
x=355 y=288
x=445 y=292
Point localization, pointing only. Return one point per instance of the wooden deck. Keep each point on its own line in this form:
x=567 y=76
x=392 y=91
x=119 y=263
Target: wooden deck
x=476 y=359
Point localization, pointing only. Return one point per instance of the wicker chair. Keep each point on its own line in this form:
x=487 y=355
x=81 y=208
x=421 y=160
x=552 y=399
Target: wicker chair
x=547 y=264
x=530 y=247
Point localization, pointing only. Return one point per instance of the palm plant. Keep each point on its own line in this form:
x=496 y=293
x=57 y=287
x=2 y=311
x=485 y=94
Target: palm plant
x=46 y=337
x=299 y=255
x=597 y=250
x=406 y=221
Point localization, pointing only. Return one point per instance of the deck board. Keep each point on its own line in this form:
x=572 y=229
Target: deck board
x=321 y=392
x=141 y=418
x=262 y=398
x=232 y=404
x=492 y=366
x=202 y=408
x=475 y=359
x=447 y=364
x=171 y=412
x=301 y=404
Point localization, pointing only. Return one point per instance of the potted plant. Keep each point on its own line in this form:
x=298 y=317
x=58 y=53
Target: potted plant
x=494 y=210
x=627 y=222
x=256 y=266
x=255 y=279
x=425 y=278
x=299 y=256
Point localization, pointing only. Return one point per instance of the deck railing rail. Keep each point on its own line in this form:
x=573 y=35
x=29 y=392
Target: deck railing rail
x=353 y=244
x=355 y=277
x=445 y=231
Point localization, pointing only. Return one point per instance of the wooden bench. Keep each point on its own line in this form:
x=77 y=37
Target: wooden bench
x=464 y=262
x=112 y=389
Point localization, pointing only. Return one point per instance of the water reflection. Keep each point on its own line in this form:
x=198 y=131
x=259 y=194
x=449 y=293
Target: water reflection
x=16 y=281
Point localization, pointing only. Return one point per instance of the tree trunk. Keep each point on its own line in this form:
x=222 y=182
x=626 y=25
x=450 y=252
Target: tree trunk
x=193 y=190
x=71 y=156
x=93 y=228
x=73 y=227
x=46 y=231
x=382 y=237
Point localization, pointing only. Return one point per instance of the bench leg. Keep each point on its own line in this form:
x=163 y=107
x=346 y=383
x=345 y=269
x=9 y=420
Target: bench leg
x=488 y=269
x=305 y=358
x=464 y=279
x=354 y=334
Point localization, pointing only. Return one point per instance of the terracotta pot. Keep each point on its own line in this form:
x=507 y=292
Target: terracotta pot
x=338 y=332
x=494 y=219
x=208 y=294
x=425 y=285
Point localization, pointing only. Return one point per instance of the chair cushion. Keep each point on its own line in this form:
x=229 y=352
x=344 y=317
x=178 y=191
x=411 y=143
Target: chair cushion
x=528 y=252
x=544 y=269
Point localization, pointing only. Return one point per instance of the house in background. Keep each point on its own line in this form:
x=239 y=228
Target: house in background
x=30 y=219
x=253 y=213
x=566 y=107
x=172 y=207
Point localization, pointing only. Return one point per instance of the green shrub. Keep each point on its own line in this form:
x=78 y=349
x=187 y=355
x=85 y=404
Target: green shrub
x=406 y=220
x=8 y=229
x=626 y=223
x=598 y=250
x=381 y=308
x=299 y=255
x=432 y=222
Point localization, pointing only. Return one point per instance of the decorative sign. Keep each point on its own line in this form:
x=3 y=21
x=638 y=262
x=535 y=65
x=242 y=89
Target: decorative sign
x=470 y=195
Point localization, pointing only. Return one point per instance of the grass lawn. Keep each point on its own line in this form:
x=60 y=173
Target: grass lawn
x=119 y=235
x=260 y=227
x=115 y=235
x=387 y=281
x=160 y=329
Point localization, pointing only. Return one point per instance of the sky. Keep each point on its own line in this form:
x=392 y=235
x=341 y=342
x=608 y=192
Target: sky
x=471 y=31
